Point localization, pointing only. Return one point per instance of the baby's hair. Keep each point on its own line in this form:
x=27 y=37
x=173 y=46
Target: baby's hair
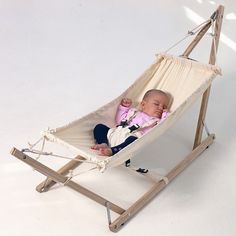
x=158 y=91
x=152 y=91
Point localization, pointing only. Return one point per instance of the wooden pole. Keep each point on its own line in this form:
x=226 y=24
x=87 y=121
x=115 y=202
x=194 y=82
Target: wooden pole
x=212 y=60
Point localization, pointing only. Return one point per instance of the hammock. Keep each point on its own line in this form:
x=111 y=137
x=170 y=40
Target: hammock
x=184 y=79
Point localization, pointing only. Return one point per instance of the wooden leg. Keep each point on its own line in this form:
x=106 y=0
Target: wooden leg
x=116 y=224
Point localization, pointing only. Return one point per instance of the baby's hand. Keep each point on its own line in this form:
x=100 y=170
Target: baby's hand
x=126 y=102
x=164 y=114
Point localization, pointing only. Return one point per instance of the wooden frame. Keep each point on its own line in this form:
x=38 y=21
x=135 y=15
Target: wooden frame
x=125 y=214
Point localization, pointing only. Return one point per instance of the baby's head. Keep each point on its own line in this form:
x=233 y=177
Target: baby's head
x=154 y=103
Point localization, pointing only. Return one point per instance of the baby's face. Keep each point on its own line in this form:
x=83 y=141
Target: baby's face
x=155 y=105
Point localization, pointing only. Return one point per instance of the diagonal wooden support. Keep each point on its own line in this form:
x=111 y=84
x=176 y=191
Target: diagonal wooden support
x=48 y=183
x=196 y=40
x=64 y=180
x=156 y=188
x=212 y=60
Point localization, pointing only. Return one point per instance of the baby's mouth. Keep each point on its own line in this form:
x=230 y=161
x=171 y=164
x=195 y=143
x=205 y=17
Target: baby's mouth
x=158 y=113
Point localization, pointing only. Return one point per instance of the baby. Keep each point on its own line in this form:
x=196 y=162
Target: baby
x=131 y=123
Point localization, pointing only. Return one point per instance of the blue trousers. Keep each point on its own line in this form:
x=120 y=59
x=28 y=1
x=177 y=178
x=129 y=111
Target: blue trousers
x=100 y=135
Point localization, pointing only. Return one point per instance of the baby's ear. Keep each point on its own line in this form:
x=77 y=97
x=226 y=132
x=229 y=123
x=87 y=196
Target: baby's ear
x=141 y=105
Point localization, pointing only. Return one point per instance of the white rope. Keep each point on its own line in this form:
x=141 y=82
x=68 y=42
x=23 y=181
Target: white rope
x=190 y=33
x=41 y=152
x=34 y=151
x=206 y=128
x=72 y=175
x=42 y=148
x=83 y=172
x=33 y=145
x=186 y=36
x=69 y=178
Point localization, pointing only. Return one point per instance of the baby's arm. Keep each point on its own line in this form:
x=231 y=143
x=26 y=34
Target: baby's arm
x=126 y=102
x=123 y=109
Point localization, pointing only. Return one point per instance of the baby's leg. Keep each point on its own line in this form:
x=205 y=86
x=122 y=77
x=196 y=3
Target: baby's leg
x=128 y=141
x=100 y=135
x=107 y=151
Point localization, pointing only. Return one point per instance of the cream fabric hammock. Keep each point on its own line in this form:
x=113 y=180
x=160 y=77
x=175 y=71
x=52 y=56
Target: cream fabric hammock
x=184 y=79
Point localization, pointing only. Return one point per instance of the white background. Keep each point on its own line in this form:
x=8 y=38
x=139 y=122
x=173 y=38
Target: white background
x=60 y=60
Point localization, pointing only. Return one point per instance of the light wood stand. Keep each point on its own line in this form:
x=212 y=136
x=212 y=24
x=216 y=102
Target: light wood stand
x=59 y=176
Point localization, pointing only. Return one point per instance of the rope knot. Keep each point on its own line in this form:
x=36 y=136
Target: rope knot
x=190 y=32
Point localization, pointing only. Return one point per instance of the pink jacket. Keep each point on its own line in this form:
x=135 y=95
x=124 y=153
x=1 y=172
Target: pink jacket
x=139 y=119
